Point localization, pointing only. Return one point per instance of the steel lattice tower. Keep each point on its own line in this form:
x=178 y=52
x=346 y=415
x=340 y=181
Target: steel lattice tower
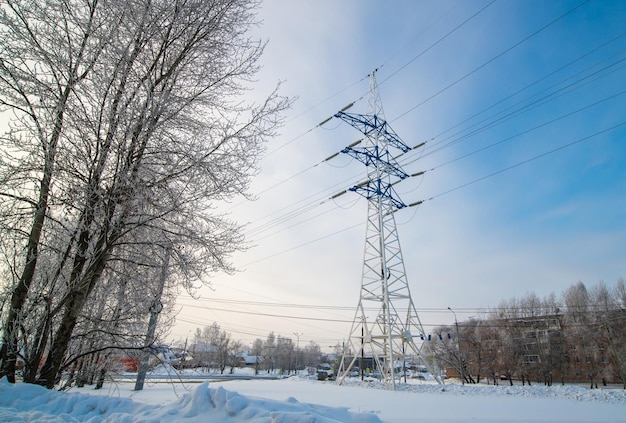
x=386 y=321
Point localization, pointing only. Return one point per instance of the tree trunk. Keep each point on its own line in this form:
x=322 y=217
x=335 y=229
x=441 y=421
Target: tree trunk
x=101 y=376
x=8 y=353
x=20 y=292
x=52 y=367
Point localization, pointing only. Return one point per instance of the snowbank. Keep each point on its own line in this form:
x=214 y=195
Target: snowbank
x=262 y=400
x=25 y=402
x=569 y=392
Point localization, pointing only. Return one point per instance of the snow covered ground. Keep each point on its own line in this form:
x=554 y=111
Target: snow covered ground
x=301 y=400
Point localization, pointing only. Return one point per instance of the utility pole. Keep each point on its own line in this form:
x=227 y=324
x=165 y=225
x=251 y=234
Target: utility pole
x=385 y=332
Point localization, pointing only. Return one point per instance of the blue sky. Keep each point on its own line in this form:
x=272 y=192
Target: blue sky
x=535 y=87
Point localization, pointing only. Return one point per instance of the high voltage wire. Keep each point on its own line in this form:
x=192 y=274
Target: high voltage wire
x=303 y=321
x=516 y=112
x=464 y=185
x=272 y=304
x=305 y=244
x=301 y=222
x=503 y=322
x=551 y=96
x=258 y=334
x=561 y=68
x=366 y=76
x=531 y=129
x=305 y=209
x=320 y=199
x=518 y=164
x=466 y=310
x=502 y=53
x=282 y=316
x=456 y=28
x=430 y=148
x=496 y=322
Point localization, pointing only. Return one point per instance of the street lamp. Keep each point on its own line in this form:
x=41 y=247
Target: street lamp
x=458 y=344
x=297 y=348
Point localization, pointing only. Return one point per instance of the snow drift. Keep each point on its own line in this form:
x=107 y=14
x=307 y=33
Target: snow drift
x=26 y=402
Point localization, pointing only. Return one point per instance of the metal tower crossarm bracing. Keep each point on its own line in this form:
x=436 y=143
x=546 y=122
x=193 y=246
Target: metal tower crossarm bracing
x=378 y=188
x=374 y=125
x=386 y=324
x=372 y=157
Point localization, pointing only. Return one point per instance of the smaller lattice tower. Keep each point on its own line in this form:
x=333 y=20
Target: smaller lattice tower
x=386 y=326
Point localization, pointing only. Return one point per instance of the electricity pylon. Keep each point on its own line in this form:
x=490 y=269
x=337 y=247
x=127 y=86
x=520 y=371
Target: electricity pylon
x=386 y=321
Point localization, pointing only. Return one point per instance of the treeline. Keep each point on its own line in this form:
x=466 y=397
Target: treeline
x=577 y=336
x=214 y=348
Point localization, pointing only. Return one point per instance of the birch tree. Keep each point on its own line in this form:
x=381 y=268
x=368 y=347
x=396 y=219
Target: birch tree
x=578 y=316
x=154 y=133
x=47 y=50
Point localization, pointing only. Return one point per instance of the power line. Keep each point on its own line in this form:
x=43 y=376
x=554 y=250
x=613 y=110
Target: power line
x=497 y=322
x=516 y=112
x=452 y=31
x=304 y=244
x=464 y=185
x=280 y=220
x=536 y=82
x=461 y=310
x=549 y=122
x=523 y=162
x=493 y=59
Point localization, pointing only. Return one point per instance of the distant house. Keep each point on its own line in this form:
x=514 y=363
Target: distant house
x=250 y=360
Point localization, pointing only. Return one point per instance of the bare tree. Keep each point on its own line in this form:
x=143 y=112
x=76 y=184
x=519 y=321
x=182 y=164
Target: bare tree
x=610 y=321
x=511 y=353
x=201 y=350
x=620 y=294
x=154 y=137
x=578 y=315
x=311 y=354
x=489 y=336
x=269 y=352
x=536 y=339
x=447 y=350
x=215 y=347
x=474 y=349
x=48 y=50
x=234 y=355
x=285 y=354
x=616 y=329
x=257 y=350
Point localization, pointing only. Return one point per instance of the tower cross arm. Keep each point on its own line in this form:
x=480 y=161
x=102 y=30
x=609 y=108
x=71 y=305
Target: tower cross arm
x=369 y=124
x=376 y=188
x=370 y=156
